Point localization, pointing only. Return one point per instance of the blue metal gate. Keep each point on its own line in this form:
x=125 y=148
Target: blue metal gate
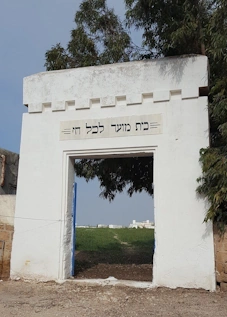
x=74 y=227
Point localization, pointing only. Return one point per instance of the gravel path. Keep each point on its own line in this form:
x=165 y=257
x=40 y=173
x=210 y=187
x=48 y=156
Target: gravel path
x=30 y=299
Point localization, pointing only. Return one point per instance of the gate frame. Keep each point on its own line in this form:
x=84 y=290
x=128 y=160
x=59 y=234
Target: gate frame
x=166 y=92
x=65 y=268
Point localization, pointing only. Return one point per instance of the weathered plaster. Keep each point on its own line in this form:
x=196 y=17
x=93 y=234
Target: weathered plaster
x=7 y=209
x=8 y=172
x=184 y=255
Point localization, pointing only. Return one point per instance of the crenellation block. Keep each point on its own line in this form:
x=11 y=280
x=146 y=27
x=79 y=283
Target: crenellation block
x=35 y=107
x=133 y=99
x=161 y=96
x=108 y=101
x=58 y=106
x=190 y=92
x=82 y=104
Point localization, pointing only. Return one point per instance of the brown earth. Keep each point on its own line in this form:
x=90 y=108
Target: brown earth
x=129 y=264
x=29 y=299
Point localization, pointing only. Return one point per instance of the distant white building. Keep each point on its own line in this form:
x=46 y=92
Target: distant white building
x=115 y=226
x=144 y=224
x=109 y=226
x=86 y=227
x=102 y=226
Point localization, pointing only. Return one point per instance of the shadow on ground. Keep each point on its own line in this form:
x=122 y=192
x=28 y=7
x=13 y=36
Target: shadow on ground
x=122 y=261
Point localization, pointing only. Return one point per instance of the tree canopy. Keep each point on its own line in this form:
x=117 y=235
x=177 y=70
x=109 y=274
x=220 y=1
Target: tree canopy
x=99 y=38
x=170 y=27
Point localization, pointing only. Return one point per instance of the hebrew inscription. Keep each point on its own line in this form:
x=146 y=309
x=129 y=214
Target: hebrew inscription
x=111 y=127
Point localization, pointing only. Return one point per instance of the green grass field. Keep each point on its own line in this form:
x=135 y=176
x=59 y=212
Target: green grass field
x=122 y=253
x=101 y=239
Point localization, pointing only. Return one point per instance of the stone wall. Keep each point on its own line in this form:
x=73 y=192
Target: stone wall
x=220 y=247
x=7 y=209
x=8 y=172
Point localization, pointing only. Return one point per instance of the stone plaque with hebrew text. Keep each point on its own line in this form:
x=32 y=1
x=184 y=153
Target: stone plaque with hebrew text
x=111 y=127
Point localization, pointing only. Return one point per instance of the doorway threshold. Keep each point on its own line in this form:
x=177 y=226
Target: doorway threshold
x=112 y=281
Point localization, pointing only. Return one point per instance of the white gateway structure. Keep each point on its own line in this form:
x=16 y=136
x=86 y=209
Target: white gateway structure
x=140 y=108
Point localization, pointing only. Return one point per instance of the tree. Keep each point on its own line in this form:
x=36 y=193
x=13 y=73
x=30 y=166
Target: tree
x=170 y=27
x=135 y=174
x=99 y=38
x=195 y=27
x=213 y=182
x=174 y=27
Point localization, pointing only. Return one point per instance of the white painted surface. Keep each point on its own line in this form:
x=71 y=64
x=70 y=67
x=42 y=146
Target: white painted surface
x=184 y=255
x=111 y=281
x=7 y=209
x=111 y=127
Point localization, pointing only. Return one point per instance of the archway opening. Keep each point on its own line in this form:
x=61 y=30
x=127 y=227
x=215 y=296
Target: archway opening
x=115 y=239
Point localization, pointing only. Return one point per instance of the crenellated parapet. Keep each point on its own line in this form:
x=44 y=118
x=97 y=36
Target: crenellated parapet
x=116 y=85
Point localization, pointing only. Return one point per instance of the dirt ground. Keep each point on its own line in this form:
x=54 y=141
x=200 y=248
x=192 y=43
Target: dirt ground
x=128 y=264
x=142 y=272
x=121 y=259
x=28 y=299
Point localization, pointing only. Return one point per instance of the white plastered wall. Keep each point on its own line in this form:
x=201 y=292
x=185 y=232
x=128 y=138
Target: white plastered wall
x=184 y=255
x=7 y=209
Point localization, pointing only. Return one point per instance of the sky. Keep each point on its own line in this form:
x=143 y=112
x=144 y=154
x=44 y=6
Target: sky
x=28 y=28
